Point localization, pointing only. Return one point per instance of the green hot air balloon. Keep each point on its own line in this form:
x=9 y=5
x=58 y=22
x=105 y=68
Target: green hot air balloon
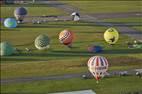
x=42 y=42
x=6 y=49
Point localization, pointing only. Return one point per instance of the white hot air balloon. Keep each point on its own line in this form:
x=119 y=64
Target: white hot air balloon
x=98 y=66
x=75 y=16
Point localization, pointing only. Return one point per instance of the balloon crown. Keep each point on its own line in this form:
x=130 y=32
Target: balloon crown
x=111 y=30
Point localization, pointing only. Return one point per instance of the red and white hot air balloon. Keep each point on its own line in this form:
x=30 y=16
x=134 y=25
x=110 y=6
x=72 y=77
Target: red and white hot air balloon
x=98 y=66
x=66 y=37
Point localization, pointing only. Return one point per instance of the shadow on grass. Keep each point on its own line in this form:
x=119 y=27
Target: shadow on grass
x=42 y=26
x=6 y=29
x=80 y=53
x=82 y=23
x=53 y=55
x=10 y=58
x=131 y=32
x=26 y=44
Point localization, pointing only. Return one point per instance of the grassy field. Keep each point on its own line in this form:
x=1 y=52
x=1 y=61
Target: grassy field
x=106 y=6
x=8 y=11
x=123 y=85
x=42 y=63
x=128 y=20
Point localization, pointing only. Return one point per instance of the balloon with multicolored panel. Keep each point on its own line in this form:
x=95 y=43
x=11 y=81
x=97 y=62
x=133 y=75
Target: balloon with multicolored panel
x=98 y=65
x=10 y=23
x=66 y=37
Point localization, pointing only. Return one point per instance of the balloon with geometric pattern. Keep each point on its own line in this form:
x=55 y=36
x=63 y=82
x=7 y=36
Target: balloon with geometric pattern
x=42 y=42
x=66 y=37
x=98 y=65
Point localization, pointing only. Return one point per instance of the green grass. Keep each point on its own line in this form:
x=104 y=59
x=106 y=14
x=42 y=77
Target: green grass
x=125 y=20
x=8 y=11
x=106 y=6
x=106 y=86
x=128 y=20
x=65 y=57
x=61 y=60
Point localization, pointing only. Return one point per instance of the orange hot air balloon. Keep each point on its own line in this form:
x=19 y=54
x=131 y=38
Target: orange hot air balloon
x=66 y=37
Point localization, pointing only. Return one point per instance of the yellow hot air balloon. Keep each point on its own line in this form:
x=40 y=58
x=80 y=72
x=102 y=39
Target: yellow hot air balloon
x=111 y=36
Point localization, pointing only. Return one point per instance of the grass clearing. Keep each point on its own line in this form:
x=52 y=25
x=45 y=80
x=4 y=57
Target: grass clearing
x=105 y=86
x=129 y=20
x=61 y=60
x=106 y=6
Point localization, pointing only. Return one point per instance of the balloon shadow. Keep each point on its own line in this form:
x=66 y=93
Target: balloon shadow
x=42 y=26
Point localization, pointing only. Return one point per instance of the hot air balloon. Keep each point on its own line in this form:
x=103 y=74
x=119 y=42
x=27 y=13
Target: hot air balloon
x=6 y=49
x=42 y=42
x=75 y=16
x=66 y=37
x=10 y=23
x=20 y=13
x=111 y=36
x=95 y=49
x=98 y=66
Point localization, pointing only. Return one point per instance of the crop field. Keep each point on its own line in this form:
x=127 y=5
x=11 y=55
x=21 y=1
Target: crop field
x=61 y=60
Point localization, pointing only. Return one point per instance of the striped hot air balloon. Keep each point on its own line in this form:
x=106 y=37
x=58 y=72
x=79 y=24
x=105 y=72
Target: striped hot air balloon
x=66 y=37
x=98 y=66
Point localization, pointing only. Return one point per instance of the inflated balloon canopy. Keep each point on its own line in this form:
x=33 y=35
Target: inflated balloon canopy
x=10 y=23
x=6 y=49
x=42 y=42
x=95 y=49
x=66 y=37
x=98 y=65
x=111 y=35
x=20 y=11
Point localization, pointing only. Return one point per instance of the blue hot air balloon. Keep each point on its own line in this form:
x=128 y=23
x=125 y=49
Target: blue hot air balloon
x=20 y=13
x=95 y=49
x=10 y=23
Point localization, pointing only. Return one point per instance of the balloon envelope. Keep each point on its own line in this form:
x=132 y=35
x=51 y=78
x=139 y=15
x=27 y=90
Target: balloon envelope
x=10 y=23
x=6 y=49
x=111 y=35
x=20 y=11
x=42 y=42
x=95 y=49
x=98 y=66
x=66 y=37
